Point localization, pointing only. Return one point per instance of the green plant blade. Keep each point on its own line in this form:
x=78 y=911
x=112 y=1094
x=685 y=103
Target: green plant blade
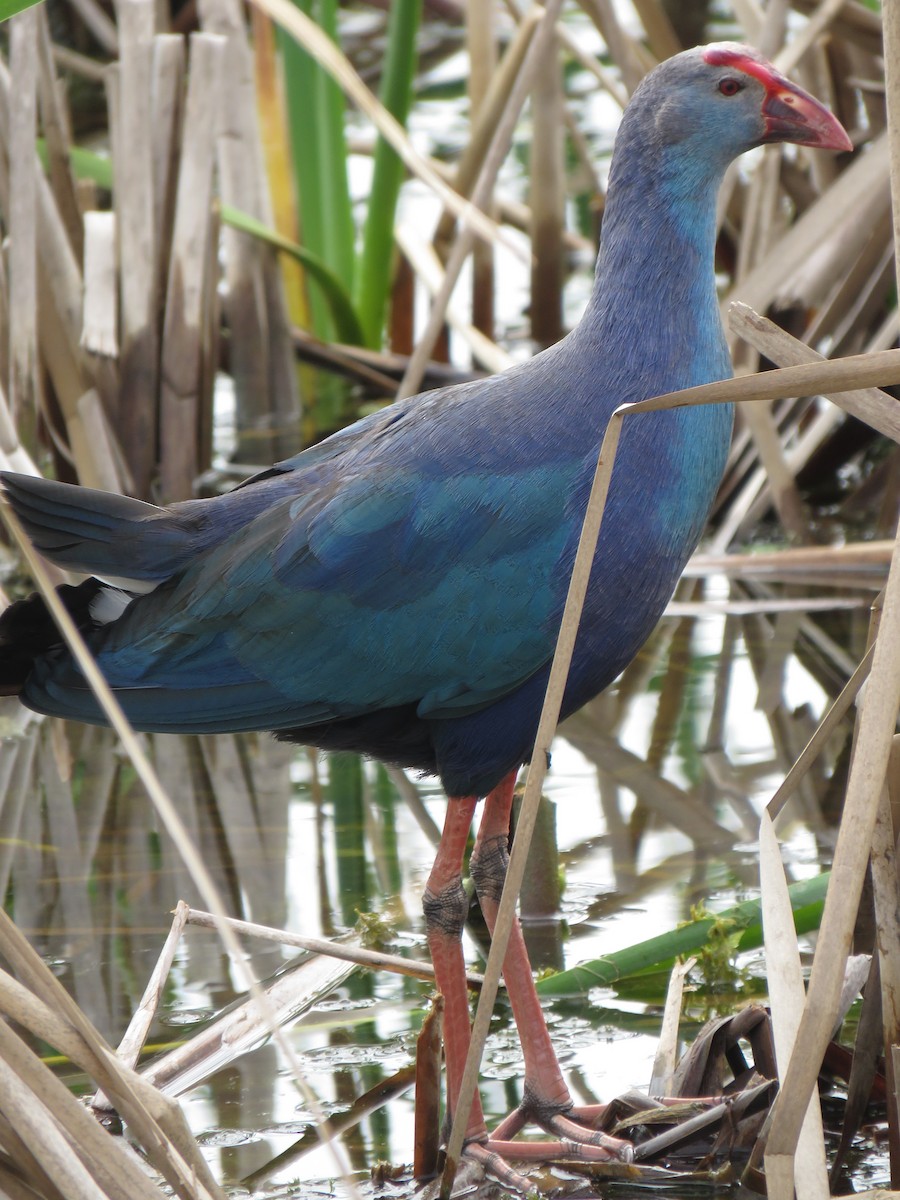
x=315 y=109
x=9 y=8
x=659 y=952
x=373 y=278
x=346 y=323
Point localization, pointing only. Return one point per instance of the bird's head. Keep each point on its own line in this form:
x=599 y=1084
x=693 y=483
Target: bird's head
x=726 y=98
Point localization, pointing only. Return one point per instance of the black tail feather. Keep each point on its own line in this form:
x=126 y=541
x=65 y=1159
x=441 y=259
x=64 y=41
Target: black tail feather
x=28 y=631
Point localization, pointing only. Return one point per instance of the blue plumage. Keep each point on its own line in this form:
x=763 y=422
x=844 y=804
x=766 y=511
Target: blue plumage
x=398 y=589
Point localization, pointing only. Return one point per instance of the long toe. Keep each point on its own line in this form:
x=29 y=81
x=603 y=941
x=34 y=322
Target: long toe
x=582 y=1135
x=565 y=1150
x=497 y=1167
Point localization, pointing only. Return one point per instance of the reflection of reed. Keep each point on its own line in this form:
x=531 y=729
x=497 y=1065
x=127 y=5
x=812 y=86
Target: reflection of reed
x=90 y=873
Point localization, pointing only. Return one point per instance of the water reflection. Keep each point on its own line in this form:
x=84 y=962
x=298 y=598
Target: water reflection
x=650 y=809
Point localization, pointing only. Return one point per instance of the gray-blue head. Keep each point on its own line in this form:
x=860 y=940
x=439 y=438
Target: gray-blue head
x=719 y=100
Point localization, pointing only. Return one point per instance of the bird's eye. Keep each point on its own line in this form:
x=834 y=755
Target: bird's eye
x=730 y=86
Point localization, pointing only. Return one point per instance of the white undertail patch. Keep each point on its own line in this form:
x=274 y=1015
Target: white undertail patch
x=108 y=605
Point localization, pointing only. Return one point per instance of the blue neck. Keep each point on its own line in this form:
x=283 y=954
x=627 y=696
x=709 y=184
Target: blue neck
x=655 y=287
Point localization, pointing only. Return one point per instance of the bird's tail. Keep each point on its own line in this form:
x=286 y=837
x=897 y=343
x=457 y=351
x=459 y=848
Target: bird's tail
x=28 y=631
x=116 y=538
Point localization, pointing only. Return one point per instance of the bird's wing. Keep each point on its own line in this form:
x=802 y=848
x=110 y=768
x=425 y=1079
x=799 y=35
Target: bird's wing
x=389 y=588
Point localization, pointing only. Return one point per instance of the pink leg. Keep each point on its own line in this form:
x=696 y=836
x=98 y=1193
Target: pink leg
x=547 y=1101
x=445 y=904
x=546 y=1097
x=543 y=1077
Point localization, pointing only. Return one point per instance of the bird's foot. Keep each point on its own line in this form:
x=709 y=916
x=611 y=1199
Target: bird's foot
x=570 y=1123
x=575 y=1141
x=578 y=1138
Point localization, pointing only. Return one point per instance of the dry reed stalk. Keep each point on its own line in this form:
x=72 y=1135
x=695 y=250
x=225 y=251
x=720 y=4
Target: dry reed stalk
x=762 y=216
x=480 y=195
x=867 y=772
x=349 y=361
x=427 y=1134
x=167 y=88
x=757 y=635
x=99 y=23
x=427 y=266
x=15 y=788
x=177 y=762
x=663 y=1075
x=884 y=866
x=484 y=123
x=782 y=1168
x=345 y=951
x=64 y=363
x=181 y=365
x=855 y=559
x=240 y=823
x=4 y=306
x=276 y=146
x=859 y=296
x=815 y=74
x=100 y=329
x=787 y=997
x=413 y=800
x=482 y=47
x=875 y=407
x=330 y=58
x=547 y=198
x=55 y=126
x=243 y=1027
x=21 y=214
x=268 y=403
x=267 y=764
x=72 y=913
x=756 y=238
x=134 y=1037
x=851 y=205
x=210 y=336
x=752 y=20
x=93 y=749
x=659 y=29
x=867 y=1050
x=37 y=1001
x=53 y=1163
x=136 y=228
x=777 y=482
x=512 y=212
x=101 y=461
x=362 y=1107
x=855 y=22
x=762 y=220
x=78 y=64
x=628 y=54
x=13 y=454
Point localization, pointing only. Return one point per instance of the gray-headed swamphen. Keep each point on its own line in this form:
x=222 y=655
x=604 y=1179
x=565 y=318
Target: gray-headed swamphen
x=397 y=589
